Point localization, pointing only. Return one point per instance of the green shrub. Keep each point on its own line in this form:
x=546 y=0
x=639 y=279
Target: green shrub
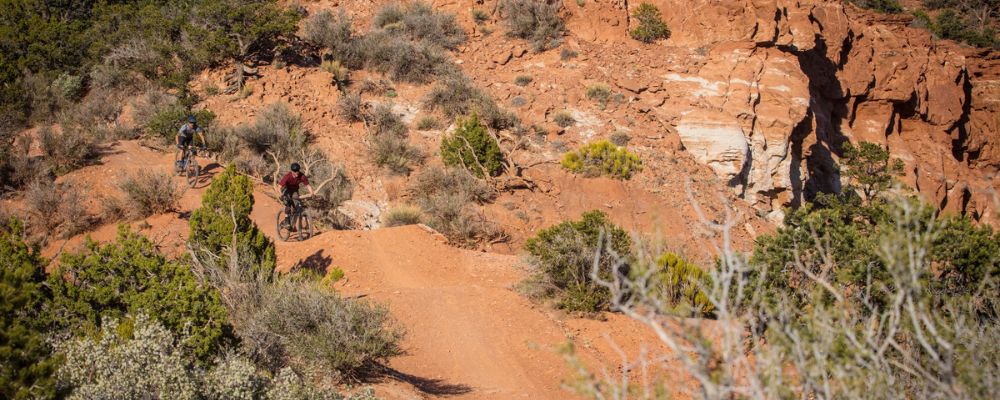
x=602 y=158
x=223 y=220
x=165 y=123
x=131 y=276
x=472 y=148
x=680 y=284
x=651 y=26
x=869 y=168
x=402 y=215
x=25 y=354
x=563 y=119
x=522 y=80
x=882 y=6
x=565 y=256
x=139 y=358
x=973 y=22
x=427 y=123
x=534 y=20
x=149 y=193
x=69 y=87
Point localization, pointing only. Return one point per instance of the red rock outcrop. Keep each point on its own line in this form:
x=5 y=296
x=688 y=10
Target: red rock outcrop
x=801 y=77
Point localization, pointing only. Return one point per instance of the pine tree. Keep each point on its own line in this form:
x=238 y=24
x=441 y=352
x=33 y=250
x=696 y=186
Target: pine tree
x=26 y=366
x=223 y=221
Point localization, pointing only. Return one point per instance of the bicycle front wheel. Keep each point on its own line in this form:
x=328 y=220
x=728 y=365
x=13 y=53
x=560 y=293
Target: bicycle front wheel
x=193 y=173
x=284 y=230
x=305 y=226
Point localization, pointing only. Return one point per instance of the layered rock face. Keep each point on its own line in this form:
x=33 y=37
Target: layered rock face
x=796 y=79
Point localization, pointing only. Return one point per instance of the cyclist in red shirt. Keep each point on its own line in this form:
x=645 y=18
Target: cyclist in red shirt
x=290 y=184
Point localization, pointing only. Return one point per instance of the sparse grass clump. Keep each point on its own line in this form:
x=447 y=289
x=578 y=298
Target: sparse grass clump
x=473 y=148
x=339 y=73
x=402 y=215
x=602 y=158
x=349 y=107
x=149 y=193
x=651 y=26
x=479 y=16
x=620 y=138
x=564 y=119
x=567 y=54
x=450 y=198
x=533 y=20
x=599 y=93
x=522 y=80
x=564 y=256
x=428 y=122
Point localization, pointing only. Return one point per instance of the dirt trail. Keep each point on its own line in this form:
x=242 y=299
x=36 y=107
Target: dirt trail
x=469 y=333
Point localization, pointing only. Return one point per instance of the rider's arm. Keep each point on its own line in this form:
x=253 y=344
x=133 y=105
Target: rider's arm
x=311 y=191
x=201 y=134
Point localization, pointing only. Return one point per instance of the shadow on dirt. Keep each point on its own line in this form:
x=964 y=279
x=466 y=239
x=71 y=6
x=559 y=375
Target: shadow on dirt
x=436 y=387
x=316 y=262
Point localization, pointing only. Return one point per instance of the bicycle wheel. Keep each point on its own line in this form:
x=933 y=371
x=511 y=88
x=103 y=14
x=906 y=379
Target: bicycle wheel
x=193 y=173
x=284 y=230
x=305 y=226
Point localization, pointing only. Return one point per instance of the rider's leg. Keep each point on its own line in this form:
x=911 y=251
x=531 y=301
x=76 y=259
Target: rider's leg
x=288 y=209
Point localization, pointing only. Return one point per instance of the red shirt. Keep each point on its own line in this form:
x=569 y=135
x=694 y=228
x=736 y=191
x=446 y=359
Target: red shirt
x=292 y=180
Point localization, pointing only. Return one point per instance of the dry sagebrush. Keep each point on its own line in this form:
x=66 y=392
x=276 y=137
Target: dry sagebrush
x=914 y=344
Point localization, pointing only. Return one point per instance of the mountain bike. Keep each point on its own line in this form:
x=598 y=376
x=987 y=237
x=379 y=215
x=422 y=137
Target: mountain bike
x=188 y=166
x=298 y=224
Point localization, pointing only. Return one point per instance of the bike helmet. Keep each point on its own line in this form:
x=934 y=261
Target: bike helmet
x=295 y=167
x=192 y=119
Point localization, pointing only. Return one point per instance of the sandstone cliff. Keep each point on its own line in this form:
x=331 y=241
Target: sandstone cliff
x=765 y=91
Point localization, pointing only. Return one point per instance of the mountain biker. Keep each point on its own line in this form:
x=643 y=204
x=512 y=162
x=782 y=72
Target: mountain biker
x=185 y=136
x=290 y=184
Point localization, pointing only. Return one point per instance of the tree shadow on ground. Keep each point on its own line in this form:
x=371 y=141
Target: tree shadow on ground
x=435 y=387
x=316 y=262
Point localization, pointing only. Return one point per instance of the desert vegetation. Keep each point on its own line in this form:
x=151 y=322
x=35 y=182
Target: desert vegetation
x=449 y=198
x=536 y=21
x=650 y=26
x=122 y=319
x=473 y=148
x=895 y=300
x=602 y=158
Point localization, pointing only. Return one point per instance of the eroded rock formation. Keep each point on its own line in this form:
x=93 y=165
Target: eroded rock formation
x=798 y=78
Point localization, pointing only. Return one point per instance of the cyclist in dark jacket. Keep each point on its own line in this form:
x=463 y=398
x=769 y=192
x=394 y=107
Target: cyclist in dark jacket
x=290 y=184
x=185 y=136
